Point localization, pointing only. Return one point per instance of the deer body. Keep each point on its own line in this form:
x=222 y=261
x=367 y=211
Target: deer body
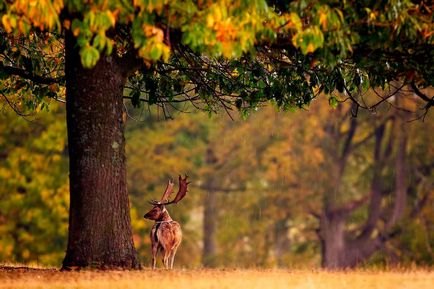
x=166 y=234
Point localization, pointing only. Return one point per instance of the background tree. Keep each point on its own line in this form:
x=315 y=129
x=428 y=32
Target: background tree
x=345 y=147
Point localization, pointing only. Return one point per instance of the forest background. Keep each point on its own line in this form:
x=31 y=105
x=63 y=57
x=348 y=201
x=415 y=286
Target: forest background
x=259 y=182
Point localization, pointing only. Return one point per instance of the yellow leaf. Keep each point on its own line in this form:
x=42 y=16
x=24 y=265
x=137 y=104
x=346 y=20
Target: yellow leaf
x=166 y=53
x=323 y=19
x=217 y=14
x=91 y=18
x=111 y=17
x=210 y=20
x=76 y=31
x=293 y=21
x=235 y=73
x=8 y=23
x=227 y=49
x=310 y=48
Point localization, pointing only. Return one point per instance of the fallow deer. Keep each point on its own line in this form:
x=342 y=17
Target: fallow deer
x=166 y=234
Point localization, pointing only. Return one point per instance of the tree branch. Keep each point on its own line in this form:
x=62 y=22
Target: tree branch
x=165 y=101
x=350 y=134
x=15 y=109
x=420 y=94
x=349 y=207
x=30 y=76
x=420 y=205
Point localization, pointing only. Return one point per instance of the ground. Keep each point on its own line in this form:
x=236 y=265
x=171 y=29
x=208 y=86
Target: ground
x=24 y=277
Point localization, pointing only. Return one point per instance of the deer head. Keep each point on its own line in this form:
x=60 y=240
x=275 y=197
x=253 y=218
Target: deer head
x=157 y=212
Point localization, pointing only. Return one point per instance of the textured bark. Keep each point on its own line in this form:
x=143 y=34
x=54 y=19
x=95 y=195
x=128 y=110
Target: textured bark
x=100 y=233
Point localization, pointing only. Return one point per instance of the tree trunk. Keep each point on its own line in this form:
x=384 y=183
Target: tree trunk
x=281 y=242
x=332 y=236
x=100 y=233
x=400 y=178
x=342 y=248
x=209 y=226
x=209 y=215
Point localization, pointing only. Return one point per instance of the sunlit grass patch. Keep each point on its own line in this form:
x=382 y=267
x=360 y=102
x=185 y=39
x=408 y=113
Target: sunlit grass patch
x=221 y=279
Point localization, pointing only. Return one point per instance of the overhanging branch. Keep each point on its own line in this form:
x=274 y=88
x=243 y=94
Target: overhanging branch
x=30 y=76
x=420 y=94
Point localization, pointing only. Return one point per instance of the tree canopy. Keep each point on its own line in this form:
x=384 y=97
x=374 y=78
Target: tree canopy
x=224 y=53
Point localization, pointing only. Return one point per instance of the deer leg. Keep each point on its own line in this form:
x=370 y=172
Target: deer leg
x=172 y=256
x=166 y=259
x=155 y=248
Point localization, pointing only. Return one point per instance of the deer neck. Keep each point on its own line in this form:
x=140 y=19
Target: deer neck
x=165 y=217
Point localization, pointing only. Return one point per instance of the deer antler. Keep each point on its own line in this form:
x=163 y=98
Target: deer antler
x=166 y=194
x=168 y=191
x=182 y=191
x=183 y=188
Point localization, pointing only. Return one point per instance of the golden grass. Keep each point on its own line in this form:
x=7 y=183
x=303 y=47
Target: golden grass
x=218 y=279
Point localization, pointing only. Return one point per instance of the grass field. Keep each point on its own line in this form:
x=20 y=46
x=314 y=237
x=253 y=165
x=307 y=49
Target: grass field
x=218 y=279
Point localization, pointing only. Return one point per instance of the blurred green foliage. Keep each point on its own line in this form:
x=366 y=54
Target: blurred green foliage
x=34 y=188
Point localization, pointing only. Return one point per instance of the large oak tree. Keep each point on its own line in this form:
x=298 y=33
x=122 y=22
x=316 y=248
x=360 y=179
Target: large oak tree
x=213 y=53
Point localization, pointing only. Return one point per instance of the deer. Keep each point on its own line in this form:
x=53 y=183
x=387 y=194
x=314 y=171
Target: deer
x=166 y=234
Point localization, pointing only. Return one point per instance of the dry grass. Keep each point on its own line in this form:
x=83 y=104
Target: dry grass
x=218 y=279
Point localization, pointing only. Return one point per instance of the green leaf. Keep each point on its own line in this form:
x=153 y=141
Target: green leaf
x=155 y=53
x=82 y=41
x=99 y=41
x=89 y=56
x=333 y=102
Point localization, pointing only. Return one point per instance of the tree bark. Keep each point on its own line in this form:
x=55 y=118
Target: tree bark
x=332 y=236
x=100 y=234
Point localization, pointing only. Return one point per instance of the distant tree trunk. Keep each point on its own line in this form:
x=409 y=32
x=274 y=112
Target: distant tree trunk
x=332 y=242
x=332 y=221
x=100 y=233
x=209 y=216
x=209 y=227
x=281 y=242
